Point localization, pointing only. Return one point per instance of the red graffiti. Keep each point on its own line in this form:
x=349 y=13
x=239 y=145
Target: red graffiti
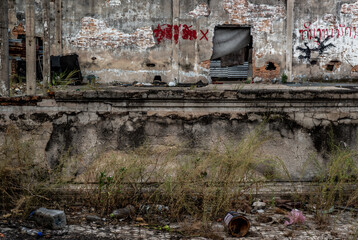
x=160 y=33
x=188 y=33
x=176 y=33
x=318 y=34
x=204 y=35
x=170 y=32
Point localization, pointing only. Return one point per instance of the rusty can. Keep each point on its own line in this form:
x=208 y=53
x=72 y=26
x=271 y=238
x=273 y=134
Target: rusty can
x=236 y=224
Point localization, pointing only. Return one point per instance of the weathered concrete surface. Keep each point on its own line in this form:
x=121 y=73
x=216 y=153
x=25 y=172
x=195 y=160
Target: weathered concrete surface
x=130 y=40
x=88 y=123
x=324 y=39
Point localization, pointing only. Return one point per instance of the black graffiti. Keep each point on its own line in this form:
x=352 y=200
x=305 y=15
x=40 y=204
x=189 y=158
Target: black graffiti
x=321 y=49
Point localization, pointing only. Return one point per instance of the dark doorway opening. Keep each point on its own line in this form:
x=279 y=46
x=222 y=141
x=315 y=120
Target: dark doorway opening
x=232 y=54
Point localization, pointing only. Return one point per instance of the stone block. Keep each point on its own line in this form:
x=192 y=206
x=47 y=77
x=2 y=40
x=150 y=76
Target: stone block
x=52 y=219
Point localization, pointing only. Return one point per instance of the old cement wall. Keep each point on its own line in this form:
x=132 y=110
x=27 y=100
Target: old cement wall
x=92 y=122
x=324 y=40
x=123 y=40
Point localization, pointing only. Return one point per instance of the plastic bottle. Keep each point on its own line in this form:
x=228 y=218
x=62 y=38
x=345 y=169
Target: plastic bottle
x=31 y=232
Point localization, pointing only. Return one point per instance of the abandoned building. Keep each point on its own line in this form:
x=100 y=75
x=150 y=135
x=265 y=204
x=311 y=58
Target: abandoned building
x=183 y=42
x=191 y=40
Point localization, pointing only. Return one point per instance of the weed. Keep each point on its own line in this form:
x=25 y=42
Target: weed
x=334 y=180
x=63 y=78
x=284 y=78
x=201 y=184
x=21 y=177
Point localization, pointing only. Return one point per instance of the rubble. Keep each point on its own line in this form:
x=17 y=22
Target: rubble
x=267 y=226
x=52 y=219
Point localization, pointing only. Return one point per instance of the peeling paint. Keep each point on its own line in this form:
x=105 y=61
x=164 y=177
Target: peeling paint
x=113 y=2
x=200 y=10
x=95 y=33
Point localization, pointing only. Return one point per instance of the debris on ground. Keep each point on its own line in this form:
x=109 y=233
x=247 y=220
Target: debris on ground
x=237 y=224
x=259 y=205
x=93 y=218
x=123 y=213
x=345 y=227
x=52 y=219
x=295 y=217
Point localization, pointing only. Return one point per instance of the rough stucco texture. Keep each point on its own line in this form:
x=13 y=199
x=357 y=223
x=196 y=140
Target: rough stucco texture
x=325 y=38
x=95 y=33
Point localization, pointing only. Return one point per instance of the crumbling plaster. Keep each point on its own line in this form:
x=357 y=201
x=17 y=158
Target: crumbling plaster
x=116 y=39
x=330 y=34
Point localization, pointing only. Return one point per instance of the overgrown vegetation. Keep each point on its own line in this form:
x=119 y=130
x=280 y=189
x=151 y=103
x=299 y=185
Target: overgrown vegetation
x=204 y=185
x=22 y=179
x=336 y=181
x=63 y=78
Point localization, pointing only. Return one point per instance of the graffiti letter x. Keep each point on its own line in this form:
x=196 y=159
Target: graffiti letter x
x=204 y=35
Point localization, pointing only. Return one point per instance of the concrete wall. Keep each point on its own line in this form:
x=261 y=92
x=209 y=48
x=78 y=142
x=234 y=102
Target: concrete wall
x=126 y=41
x=324 y=40
x=122 y=40
x=85 y=124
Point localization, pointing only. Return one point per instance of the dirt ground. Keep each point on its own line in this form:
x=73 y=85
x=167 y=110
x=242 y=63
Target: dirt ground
x=266 y=225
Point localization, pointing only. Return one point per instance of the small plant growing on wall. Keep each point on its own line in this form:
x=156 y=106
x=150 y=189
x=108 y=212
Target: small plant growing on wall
x=63 y=78
x=284 y=78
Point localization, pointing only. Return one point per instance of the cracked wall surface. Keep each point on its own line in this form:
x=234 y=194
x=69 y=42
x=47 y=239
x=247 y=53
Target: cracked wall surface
x=329 y=35
x=127 y=41
x=83 y=125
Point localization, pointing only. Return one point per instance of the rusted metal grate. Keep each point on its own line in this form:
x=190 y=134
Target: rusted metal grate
x=239 y=71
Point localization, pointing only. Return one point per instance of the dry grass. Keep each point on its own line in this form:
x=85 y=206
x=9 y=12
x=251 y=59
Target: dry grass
x=204 y=185
x=21 y=178
x=336 y=181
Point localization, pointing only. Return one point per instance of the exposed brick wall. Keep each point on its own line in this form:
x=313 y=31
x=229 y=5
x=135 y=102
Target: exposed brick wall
x=259 y=16
x=263 y=73
x=205 y=64
x=200 y=10
x=267 y=74
x=96 y=33
x=18 y=30
x=351 y=9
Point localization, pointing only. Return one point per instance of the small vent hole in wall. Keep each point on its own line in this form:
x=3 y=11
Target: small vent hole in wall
x=150 y=65
x=333 y=65
x=270 y=66
x=330 y=67
x=157 y=78
x=314 y=62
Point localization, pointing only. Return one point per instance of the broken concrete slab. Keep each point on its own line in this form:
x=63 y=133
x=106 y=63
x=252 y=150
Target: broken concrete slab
x=52 y=219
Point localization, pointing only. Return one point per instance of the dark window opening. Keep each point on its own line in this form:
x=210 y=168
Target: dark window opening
x=232 y=54
x=270 y=66
x=150 y=65
x=17 y=52
x=60 y=65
